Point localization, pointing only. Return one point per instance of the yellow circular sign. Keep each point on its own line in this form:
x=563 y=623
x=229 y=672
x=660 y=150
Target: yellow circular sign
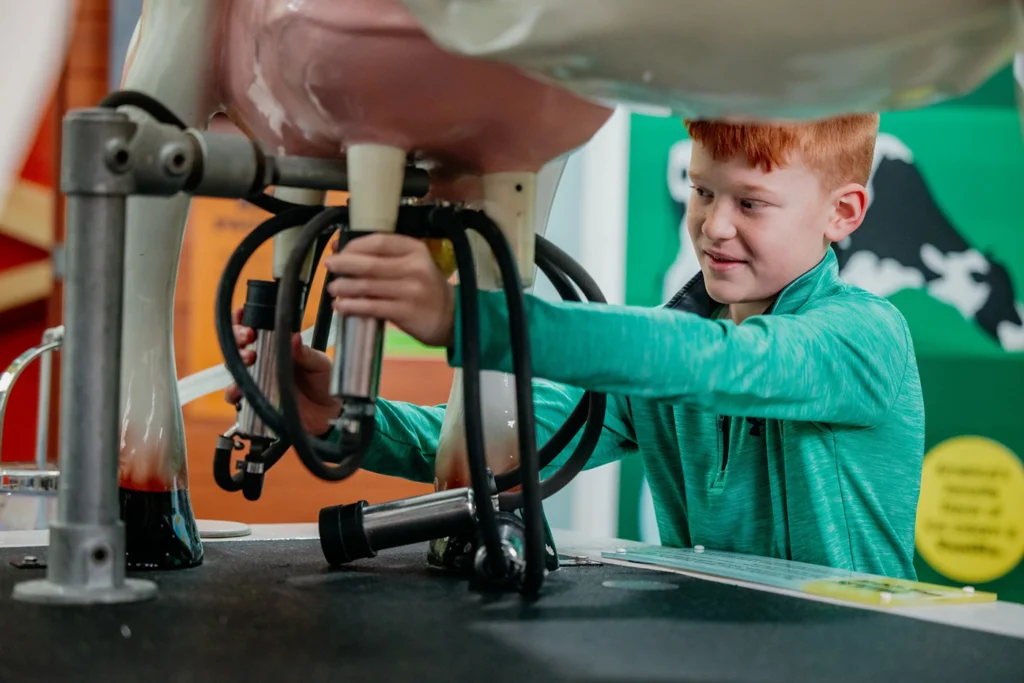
x=970 y=517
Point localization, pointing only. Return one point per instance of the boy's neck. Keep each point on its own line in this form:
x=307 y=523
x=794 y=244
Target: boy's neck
x=741 y=311
x=747 y=309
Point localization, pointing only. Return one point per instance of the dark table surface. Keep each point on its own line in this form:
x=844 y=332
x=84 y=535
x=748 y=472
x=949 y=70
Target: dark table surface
x=273 y=611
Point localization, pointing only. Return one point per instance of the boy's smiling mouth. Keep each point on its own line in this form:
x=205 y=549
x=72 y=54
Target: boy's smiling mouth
x=722 y=262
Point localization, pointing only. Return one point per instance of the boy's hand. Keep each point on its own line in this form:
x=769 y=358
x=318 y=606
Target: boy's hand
x=312 y=379
x=394 y=277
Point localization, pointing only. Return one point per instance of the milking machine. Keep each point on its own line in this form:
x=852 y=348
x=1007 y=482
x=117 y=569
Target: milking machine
x=107 y=157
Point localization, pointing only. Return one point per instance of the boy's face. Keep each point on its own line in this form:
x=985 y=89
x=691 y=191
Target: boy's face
x=755 y=232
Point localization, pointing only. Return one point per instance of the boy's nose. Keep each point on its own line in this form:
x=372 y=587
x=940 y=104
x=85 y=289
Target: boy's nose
x=717 y=225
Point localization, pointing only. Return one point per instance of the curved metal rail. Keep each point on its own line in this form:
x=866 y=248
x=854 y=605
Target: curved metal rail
x=38 y=477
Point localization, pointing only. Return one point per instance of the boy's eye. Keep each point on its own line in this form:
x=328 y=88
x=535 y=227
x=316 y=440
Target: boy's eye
x=751 y=204
x=701 y=192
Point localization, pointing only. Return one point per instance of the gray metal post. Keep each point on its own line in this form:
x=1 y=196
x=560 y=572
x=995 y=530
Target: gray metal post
x=86 y=563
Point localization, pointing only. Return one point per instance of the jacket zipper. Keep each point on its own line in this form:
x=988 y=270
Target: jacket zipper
x=725 y=444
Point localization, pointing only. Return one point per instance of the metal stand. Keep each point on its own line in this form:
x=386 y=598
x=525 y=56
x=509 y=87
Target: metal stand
x=86 y=563
x=105 y=157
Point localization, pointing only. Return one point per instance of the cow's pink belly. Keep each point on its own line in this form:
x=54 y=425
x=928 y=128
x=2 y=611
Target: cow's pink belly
x=314 y=77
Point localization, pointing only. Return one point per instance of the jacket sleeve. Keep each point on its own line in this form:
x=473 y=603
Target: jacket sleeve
x=406 y=436
x=841 y=361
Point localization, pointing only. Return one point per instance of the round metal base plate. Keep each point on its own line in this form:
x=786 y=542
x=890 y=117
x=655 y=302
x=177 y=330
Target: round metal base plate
x=45 y=592
x=215 y=528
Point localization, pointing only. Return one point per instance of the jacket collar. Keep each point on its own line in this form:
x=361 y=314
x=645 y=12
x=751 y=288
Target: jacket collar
x=819 y=281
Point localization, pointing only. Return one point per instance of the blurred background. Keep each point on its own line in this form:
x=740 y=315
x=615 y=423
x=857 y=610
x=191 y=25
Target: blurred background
x=943 y=241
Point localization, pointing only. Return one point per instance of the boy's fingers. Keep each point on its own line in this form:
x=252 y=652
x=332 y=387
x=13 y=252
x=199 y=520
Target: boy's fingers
x=307 y=358
x=236 y=316
x=386 y=309
x=354 y=288
x=248 y=357
x=244 y=335
x=383 y=244
x=233 y=394
x=351 y=264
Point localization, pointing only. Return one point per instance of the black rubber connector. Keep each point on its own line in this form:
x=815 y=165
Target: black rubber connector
x=342 y=536
x=260 y=304
x=252 y=481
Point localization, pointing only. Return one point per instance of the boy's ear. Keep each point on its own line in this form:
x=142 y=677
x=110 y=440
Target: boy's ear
x=849 y=205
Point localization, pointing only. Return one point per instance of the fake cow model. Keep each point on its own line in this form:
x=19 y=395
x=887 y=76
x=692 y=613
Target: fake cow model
x=330 y=78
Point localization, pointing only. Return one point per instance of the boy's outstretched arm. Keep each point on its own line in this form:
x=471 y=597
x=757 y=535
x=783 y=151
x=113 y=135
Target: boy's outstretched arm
x=394 y=277
x=842 y=361
x=406 y=435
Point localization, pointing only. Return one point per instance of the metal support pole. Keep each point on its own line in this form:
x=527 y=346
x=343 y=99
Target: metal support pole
x=86 y=563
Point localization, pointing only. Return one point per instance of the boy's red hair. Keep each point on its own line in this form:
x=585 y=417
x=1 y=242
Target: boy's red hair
x=839 y=149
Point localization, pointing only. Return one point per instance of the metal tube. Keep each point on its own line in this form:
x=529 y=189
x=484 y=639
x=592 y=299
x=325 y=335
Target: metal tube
x=264 y=372
x=232 y=165
x=357 y=353
x=357 y=530
x=330 y=174
x=43 y=408
x=311 y=173
x=412 y=520
x=91 y=360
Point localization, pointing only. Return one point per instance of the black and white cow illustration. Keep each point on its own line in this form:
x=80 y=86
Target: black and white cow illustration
x=905 y=242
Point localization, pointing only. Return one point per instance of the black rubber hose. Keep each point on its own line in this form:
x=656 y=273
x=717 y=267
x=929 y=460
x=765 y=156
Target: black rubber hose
x=574 y=271
x=591 y=408
x=324 y=317
x=533 y=510
x=147 y=103
x=513 y=500
x=270 y=203
x=318 y=253
x=557 y=278
x=324 y=311
x=274 y=453
x=222 y=473
x=252 y=482
x=223 y=319
x=312 y=451
x=557 y=259
x=475 y=453
x=577 y=418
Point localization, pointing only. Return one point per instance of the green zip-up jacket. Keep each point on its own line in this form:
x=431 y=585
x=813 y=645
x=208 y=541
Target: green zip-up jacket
x=797 y=434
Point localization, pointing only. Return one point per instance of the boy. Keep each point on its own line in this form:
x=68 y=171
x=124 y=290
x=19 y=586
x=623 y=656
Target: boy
x=778 y=411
